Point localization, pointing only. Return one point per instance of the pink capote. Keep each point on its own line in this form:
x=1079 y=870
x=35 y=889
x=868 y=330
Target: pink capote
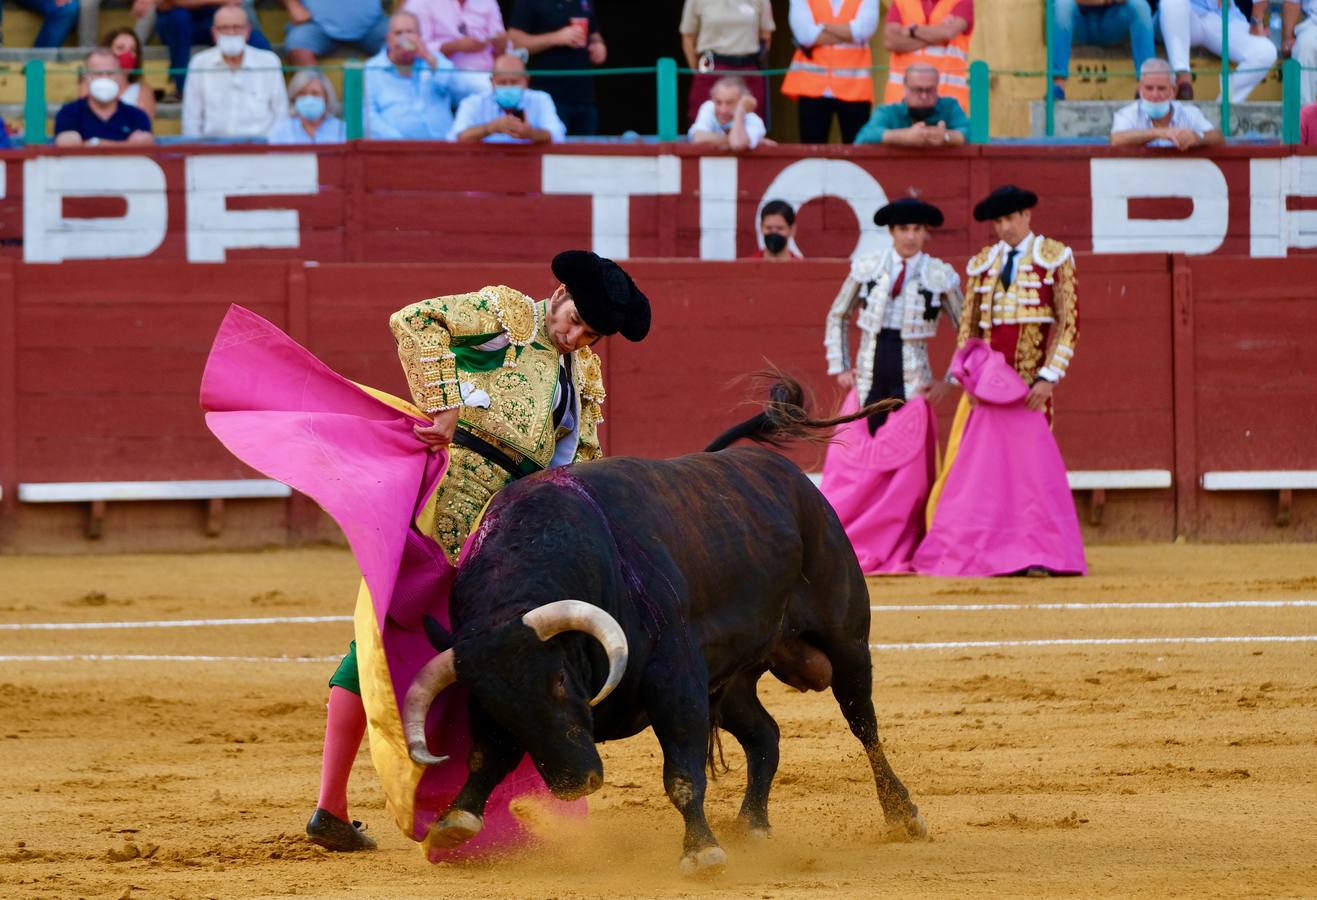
x=286 y=414
x=879 y=483
x=1006 y=505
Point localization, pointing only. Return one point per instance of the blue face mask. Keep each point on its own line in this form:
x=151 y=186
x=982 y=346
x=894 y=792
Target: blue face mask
x=310 y=107
x=508 y=96
x=1155 y=110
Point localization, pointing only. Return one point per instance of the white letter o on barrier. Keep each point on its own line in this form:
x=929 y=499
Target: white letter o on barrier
x=810 y=179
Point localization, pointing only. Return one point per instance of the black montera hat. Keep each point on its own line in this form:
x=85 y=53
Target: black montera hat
x=606 y=297
x=908 y=211
x=1002 y=202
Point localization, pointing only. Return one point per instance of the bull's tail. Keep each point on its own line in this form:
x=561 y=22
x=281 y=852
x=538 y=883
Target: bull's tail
x=785 y=418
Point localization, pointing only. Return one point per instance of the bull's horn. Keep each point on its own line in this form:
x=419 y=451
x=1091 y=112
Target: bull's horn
x=575 y=615
x=434 y=676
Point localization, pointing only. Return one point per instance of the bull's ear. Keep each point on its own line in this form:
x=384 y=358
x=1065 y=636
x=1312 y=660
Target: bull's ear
x=439 y=636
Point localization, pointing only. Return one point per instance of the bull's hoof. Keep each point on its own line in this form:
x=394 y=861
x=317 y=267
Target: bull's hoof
x=455 y=827
x=907 y=828
x=708 y=861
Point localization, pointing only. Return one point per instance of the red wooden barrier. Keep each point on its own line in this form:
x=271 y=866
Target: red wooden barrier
x=103 y=361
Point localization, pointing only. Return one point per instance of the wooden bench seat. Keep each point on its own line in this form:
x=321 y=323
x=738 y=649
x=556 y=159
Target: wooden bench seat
x=1283 y=481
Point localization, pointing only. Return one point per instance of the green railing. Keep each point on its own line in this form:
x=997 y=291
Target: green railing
x=665 y=74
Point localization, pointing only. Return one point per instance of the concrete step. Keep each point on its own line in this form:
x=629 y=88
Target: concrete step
x=1092 y=118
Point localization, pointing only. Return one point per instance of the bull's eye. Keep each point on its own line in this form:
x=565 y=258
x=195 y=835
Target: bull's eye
x=558 y=685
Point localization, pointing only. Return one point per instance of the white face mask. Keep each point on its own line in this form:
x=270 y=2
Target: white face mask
x=231 y=45
x=103 y=90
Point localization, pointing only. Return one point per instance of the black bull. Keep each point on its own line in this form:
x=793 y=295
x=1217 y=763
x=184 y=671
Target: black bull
x=709 y=570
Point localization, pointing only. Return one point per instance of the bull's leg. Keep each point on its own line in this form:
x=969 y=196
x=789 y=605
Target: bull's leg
x=679 y=714
x=745 y=718
x=852 y=685
x=494 y=754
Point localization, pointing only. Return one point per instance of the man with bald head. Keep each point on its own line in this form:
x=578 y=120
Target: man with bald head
x=510 y=113
x=233 y=89
x=1157 y=119
x=408 y=93
x=183 y=24
x=923 y=118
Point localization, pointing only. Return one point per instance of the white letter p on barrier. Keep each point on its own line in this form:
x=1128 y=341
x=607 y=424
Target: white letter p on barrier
x=50 y=237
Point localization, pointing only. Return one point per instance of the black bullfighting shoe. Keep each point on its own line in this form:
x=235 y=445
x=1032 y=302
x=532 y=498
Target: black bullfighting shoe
x=332 y=833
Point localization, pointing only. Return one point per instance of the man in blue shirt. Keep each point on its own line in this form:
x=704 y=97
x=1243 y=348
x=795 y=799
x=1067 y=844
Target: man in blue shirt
x=922 y=119
x=509 y=114
x=99 y=117
x=316 y=27
x=407 y=96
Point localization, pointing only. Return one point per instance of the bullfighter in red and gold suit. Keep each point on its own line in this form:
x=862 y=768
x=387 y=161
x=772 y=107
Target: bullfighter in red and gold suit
x=1020 y=300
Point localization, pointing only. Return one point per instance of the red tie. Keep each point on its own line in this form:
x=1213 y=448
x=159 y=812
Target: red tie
x=900 y=280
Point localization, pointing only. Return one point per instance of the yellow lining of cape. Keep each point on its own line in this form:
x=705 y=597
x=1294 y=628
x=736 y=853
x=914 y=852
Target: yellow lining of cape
x=953 y=447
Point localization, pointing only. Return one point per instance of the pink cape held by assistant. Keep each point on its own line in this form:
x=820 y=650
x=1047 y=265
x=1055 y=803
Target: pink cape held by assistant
x=878 y=484
x=1006 y=505
x=286 y=414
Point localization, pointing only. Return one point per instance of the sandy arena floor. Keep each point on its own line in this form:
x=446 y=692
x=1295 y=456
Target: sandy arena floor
x=1120 y=769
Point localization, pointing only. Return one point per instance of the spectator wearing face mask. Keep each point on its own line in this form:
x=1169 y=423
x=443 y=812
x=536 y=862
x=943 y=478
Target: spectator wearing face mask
x=727 y=119
x=183 y=24
x=922 y=119
x=125 y=46
x=1156 y=119
x=314 y=117
x=777 y=231
x=407 y=86
x=99 y=117
x=234 y=90
x=511 y=113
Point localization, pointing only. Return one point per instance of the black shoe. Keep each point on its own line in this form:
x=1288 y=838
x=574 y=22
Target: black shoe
x=332 y=833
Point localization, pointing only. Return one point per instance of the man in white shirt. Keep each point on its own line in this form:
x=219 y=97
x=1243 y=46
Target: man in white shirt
x=1299 y=40
x=509 y=113
x=727 y=119
x=233 y=89
x=1157 y=120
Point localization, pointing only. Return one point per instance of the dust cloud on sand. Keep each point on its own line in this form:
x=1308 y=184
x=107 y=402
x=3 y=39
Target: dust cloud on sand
x=1093 y=769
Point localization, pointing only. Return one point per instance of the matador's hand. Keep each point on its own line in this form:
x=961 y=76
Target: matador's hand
x=846 y=380
x=1039 y=394
x=438 y=435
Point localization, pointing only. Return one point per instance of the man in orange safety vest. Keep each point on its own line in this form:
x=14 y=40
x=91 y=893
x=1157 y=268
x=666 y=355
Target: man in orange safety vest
x=935 y=33
x=831 y=73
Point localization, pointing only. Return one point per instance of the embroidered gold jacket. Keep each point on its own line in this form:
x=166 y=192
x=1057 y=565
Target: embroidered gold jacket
x=1038 y=315
x=490 y=354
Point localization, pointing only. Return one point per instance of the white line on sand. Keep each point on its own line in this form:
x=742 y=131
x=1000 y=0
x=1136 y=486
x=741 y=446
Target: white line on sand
x=1100 y=642
x=171 y=623
x=1007 y=607
x=930 y=645
x=142 y=657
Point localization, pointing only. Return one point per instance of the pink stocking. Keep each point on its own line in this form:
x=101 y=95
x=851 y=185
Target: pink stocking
x=345 y=725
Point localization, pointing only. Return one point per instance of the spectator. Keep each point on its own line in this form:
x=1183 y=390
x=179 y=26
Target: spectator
x=922 y=119
x=99 y=117
x=183 y=23
x=57 y=20
x=727 y=119
x=313 y=117
x=89 y=19
x=469 y=33
x=318 y=27
x=1197 y=23
x=1101 y=22
x=511 y=113
x=562 y=35
x=725 y=35
x=1308 y=126
x=830 y=71
x=407 y=90
x=1156 y=119
x=1299 y=40
x=935 y=32
x=239 y=89
x=777 y=231
x=127 y=48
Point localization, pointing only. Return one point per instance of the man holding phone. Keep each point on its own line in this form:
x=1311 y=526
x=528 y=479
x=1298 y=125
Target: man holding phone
x=511 y=113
